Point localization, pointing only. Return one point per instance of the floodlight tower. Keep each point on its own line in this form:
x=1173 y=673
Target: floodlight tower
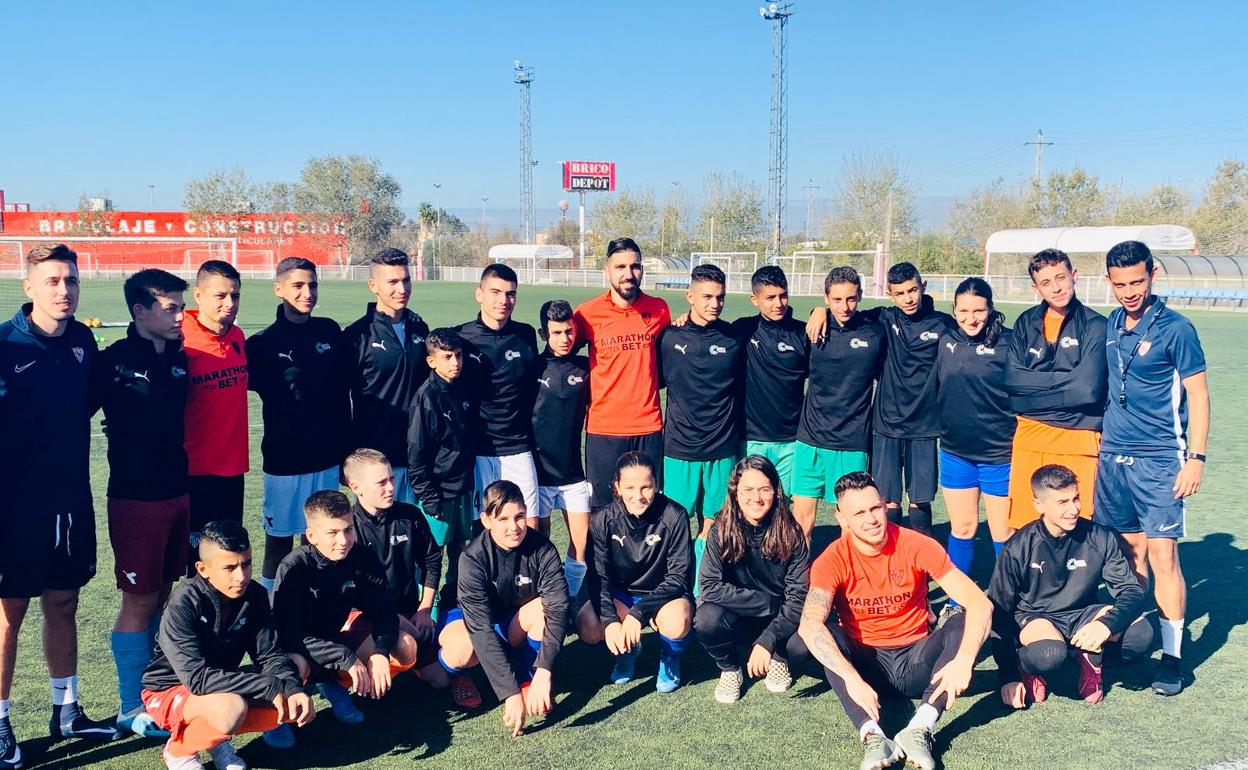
x=778 y=14
x=524 y=78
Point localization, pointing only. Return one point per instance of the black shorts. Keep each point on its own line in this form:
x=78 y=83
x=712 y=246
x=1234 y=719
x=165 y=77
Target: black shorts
x=602 y=453
x=215 y=498
x=905 y=671
x=913 y=458
x=1066 y=623
x=46 y=552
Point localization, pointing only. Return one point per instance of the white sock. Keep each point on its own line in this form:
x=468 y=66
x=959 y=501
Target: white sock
x=574 y=571
x=1171 y=636
x=4 y=708
x=64 y=690
x=925 y=716
x=868 y=727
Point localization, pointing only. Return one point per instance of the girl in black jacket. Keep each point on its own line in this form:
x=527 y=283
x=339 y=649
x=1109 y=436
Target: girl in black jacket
x=753 y=581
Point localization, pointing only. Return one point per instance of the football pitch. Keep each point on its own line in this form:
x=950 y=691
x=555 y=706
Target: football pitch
x=597 y=725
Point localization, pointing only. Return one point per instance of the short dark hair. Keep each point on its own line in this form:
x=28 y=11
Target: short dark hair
x=843 y=274
x=1047 y=258
x=557 y=310
x=226 y=534
x=443 y=338
x=498 y=495
x=54 y=252
x=327 y=504
x=768 y=275
x=145 y=286
x=902 y=272
x=293 y=263
x=1053 y=478
x=217 y=267
x=501 y=271
x=389 y=256
x=710 y=273
x=854 y=480
x=635 y=459
x=622 y=244
x=1129 y=253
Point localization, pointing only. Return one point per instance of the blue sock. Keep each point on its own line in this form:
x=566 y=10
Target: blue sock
x=997 y=545
x=131 y=654
x=447 y=667
x=961 y=553
x=674 y=648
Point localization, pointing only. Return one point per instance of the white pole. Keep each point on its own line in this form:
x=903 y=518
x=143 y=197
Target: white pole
x=581 y=215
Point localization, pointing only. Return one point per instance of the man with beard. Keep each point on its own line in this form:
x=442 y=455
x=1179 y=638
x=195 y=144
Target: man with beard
x=622 y=328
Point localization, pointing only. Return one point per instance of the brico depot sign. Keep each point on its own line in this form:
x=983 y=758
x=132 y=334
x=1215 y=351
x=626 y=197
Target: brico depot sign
x=588 y=176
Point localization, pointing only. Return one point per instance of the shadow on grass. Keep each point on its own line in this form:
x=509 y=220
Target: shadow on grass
x=1216 y=571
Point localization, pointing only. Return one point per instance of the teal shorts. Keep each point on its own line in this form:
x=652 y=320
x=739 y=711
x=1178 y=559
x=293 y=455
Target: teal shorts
x=456 y=522
x=698 y=485
x=781 y=455
x=816 y=470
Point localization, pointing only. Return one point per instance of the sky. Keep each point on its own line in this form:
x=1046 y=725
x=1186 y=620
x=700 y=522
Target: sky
x=114 y=97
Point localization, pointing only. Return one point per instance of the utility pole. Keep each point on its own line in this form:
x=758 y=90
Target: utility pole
x=523 y=79
x=484 y=198
x=888 y=227
x=810 y=207
x=437 y=218
x=1040 y=145
x=778 y=14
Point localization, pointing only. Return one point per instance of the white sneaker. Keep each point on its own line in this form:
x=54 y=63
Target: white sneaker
x=729 y=688
x=226 y=758
x=779 y=678
x=180 y=763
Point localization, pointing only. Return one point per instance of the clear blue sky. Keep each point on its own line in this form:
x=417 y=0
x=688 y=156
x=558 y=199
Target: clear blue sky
x=114 y=96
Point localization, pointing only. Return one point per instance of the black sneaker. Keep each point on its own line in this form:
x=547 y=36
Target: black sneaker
x=1168 y=680
x=70 y=721
x=10 y=752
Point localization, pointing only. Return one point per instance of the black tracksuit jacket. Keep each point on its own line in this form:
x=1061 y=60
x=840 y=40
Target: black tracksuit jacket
x=701 y=368
x=757 y=587
x=776 y=364
x=296 y=370
x=143 y=394
x=905 y=406
x=836 y=413
x=494 y=584
x=384 y=374
x=559 y=418
x=976 y=422
x=650 y=556
x=400 y=538
x=1039 y=574
x=440 y=451
x=312 y=597
x=1063 y=384
x=498 y=371
x=202 y=640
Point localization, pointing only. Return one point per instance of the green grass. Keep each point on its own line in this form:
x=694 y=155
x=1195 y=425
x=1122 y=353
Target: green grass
x=595 y=725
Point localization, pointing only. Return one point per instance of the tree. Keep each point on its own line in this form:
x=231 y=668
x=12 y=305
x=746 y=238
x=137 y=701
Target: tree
x=733 y=209
x=1221 y=222
x=986 y=211
x=861 y=202
x=354 y=188
x=221 y=192
x=447 y=223
x=1162 y=205
x=563 y=232
x=1071 y=199
x=628 y=214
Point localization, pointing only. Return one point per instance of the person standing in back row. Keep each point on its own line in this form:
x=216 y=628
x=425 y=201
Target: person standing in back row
x=1055 y=375
x=622 y=330
x=385 y=360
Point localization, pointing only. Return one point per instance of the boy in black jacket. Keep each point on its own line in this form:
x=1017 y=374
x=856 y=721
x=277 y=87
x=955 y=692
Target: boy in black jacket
x=513 y=608
x=1044 y=595
x=195 y=687
x=440 y=452
x=293 y=367
x=398 y=533
x=334 y=613
x=141 y=384
x=642 y=575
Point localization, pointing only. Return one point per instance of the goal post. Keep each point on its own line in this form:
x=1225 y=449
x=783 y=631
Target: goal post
x=738 y=266
x=118 y=256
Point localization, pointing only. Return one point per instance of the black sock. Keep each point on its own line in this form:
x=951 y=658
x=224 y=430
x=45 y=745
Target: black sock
x=921 y=518
x=275 y=549
x=894 y=515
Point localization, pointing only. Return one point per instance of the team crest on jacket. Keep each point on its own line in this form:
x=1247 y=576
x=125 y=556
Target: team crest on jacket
x=1070 y=342
x=323 y=347
x=653 y=538
x=1144 y=347
x=984 y=350
x=928 y=336
x=78 y=353
x=898 y=576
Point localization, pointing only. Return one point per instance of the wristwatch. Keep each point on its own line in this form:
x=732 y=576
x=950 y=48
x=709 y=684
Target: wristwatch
x=1194 y=456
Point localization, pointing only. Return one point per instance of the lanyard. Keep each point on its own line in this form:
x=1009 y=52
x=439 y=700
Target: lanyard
x=1123 y=368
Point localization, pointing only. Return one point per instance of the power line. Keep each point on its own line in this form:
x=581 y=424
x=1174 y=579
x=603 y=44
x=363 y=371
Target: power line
x=1040 y=145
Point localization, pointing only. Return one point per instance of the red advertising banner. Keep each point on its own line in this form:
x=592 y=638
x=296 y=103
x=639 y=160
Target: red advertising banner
x=263 y=239
x=588 y=176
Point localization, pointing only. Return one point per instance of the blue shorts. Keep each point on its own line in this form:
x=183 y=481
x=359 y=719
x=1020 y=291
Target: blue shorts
x=956 y=473
x=1136 y=494
x=628 y=600
x=499 y=628
x=284 y=496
